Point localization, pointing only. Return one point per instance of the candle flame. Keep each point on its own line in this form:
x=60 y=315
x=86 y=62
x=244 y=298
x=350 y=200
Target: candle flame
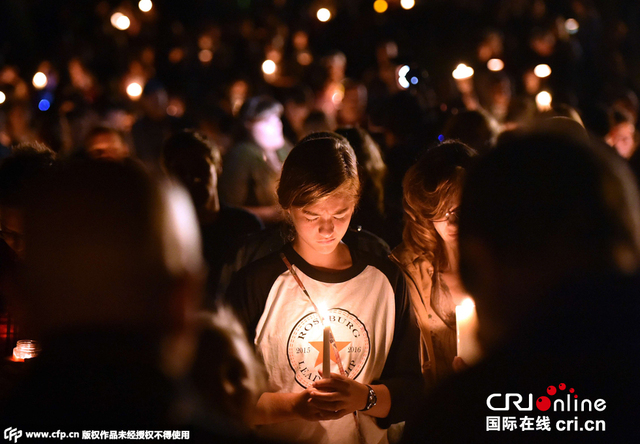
x=465 y=309
x=468 y=302
x=323 y=312
x=462 y=71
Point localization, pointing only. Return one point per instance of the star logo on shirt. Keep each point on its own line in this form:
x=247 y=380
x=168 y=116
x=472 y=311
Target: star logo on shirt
x=318 y=345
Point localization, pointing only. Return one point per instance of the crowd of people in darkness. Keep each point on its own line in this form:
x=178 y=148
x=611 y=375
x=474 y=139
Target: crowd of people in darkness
x=239 y=221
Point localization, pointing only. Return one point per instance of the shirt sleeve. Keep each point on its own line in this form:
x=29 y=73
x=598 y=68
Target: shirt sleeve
x=249 y=289
x=401 y=373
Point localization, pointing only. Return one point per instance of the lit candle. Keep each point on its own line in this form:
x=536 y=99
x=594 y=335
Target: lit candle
x=326 y=341
x=326 y=353
x=26 y=349
x=466 y=328
x=462 y=72
x=543 y=101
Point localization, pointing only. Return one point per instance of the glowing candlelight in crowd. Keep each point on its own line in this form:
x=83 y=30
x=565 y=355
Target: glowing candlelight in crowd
x=466 y=328
x=571 y=25
x=407 y=4
x=324 y=15
x=40 y=80
x=495 y=65
x=205 y=55
x=543 y=100
x=3 y=97
x=145 y=5
x=269 y=67
x=26 y=349
x=134 y=90
x=462 y=71
x=541 y=71
x=402 y=76
x=326 y=353
x=380 y=6
x=305 y=58
x=120 y=21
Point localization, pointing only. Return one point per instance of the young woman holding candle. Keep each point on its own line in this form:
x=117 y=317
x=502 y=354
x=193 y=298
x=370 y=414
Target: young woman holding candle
x=362 y=298
x=428 y=254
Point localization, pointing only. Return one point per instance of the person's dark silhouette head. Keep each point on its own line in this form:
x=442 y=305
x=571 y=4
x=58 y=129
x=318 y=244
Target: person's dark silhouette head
x=25 y=164
x=196 y=162
x=537 y=212
x=109 y=247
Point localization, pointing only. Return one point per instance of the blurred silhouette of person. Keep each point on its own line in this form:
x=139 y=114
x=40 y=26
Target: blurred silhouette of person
x=549 y=238
x=521 y=112
x=104 y=142
x=404 y=142
x=226 y=370
x=622 y=133
x=195 y=161
x=329 y=97
x=473 y=128
x=253 y=165
x=315 y=122
x=17 y=172
x=155 y=125
x=372 y=170
x=351 y=111
x=297 y=105
x=428 y=254
x=78 y=101
x=26 y=162
x=18 y=126
x=114 y=276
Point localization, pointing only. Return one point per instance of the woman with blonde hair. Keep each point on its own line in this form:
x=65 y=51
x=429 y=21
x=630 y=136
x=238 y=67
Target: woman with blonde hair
x=428 y=254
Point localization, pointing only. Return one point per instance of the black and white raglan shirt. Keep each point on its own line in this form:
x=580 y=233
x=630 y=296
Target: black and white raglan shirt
x=367 y=307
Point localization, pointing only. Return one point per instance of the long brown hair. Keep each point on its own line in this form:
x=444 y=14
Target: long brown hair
x=319 y=165
x=430 y=189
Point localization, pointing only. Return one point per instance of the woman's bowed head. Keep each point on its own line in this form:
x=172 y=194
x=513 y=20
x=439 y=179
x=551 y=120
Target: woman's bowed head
x=318 y=191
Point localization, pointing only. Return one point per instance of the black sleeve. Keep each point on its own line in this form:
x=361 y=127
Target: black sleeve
x=401 y=373
x=248 y=291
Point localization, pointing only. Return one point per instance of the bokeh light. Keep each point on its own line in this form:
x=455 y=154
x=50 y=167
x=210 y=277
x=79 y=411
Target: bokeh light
x=3 y=97
x=495 y=65
x=120 y=21
x=205 y=56
x=462 y=71
x=269 y=67
x=380 y=6
x=324 y=15
x=44 y=105
x=40 y=80
x=145 y=5
x=407 y=4
x=134 y=90
x=543 y=100
x=402 y=76
x=305 y=58
x=571 y=26
x=541 y=71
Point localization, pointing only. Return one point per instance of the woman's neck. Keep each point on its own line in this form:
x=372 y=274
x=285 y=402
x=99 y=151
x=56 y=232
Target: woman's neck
x=451 y=250
x=338 y=259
